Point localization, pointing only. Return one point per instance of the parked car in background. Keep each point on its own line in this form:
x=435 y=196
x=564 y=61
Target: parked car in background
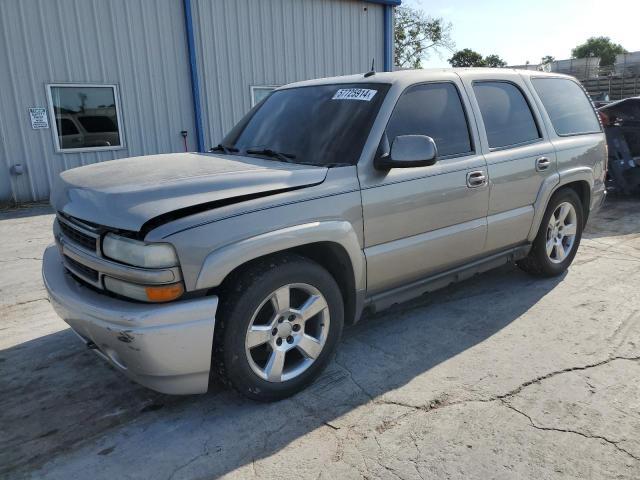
x=329 y=197
x=87 y=130
x=621 y=121
x=600 y=99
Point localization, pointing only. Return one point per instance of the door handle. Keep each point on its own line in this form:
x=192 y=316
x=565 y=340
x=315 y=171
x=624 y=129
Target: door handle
x=542 y=163
x=476 y=179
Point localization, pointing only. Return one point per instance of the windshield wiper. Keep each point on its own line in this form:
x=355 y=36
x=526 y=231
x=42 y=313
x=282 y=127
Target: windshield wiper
x=224 y=149
x=267 y=152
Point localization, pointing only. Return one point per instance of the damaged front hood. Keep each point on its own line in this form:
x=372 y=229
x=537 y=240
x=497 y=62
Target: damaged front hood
x=127 y=193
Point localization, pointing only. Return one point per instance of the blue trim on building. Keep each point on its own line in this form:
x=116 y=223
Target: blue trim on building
x=394 y=3
x=193 y=62
x=388 y=38
x=193 y=67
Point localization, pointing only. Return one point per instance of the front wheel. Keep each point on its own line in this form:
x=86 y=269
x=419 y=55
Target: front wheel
x=558 y=238
x=280 y=321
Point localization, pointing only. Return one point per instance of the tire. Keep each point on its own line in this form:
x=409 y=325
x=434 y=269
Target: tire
x=250 y=299
x=539 y=261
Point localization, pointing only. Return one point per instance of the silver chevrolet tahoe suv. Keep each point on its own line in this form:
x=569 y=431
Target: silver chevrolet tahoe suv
x=330 y=197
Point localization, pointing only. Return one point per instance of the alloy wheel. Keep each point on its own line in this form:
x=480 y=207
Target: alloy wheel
x=561 y=232
x=287 y=332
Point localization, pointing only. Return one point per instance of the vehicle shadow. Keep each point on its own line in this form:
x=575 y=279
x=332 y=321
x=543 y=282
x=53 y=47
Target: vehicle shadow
x=61 y=404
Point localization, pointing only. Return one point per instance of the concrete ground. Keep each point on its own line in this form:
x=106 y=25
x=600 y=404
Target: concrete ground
x=502 y=376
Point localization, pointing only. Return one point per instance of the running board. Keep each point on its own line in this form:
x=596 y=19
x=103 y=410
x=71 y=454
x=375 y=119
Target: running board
x=415 y=289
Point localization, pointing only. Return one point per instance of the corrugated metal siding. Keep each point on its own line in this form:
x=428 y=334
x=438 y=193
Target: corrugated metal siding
x=241 y=43
x=139 y=45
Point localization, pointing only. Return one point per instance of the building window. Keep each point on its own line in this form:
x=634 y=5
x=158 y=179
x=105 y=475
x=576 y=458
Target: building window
x=260 y=93
x=87 y=117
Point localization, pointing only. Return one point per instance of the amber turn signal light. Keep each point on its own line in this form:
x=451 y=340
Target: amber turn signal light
x=164 y=293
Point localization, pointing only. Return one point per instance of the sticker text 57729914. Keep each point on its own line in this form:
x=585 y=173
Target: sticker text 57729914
x=363 y=94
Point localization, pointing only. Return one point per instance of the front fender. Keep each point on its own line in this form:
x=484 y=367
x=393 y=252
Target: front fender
x=222 y=261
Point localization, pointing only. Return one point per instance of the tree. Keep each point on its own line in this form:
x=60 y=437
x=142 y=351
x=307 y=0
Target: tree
x=417 y=35
x=466 y=58
x=469 y=58
x=546 y=59
x=494 y=61
x=601 y=47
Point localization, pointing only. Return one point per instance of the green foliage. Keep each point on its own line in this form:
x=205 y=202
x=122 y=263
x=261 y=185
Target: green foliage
x=601 y=47
x=470 y=58
x=494 y=61
x=417 y=35
x=546 y=59
x=466 y=58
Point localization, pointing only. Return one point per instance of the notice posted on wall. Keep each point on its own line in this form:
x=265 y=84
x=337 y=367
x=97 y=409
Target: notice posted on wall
x=39 y=118
x=363 y=94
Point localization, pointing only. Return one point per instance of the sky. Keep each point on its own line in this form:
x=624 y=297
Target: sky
x=521 y=30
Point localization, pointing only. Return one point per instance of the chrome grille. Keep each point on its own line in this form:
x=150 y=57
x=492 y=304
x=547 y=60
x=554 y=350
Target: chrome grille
x=80 y=269
x=76 y=236
x=79 y=234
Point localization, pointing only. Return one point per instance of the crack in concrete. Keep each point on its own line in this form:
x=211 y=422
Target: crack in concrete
x=442 y=401
x=566 y=430
x=17 y=259
x=536 y=380
x=204 y=453
x=25 y=302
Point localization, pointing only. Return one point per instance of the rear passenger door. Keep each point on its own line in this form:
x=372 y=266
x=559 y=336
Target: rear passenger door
x=419 y=221
x=519 y=156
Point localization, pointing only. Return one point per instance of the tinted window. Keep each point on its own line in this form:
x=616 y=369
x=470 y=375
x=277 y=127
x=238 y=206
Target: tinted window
x=568 y=107
x=93 y=108
x=319 y=125
x=507 y=117
x=67 y=127
x=98 y=123
x=435 y=110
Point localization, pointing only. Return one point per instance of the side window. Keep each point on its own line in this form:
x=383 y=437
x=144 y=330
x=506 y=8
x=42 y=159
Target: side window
x=432 y=109
x=506 y=114
x=568 y=107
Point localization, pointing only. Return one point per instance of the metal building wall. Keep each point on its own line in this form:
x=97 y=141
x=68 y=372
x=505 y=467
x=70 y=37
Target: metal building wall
x=139 y=45
x=241 y=43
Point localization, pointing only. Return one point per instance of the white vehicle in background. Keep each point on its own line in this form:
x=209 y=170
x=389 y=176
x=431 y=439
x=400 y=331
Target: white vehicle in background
x=85 y=130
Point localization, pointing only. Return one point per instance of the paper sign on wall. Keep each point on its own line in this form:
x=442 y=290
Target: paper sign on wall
x=364 y=94
x=39 y=118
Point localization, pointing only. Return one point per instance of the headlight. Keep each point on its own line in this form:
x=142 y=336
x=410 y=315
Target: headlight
x=139 y=254
x=144 y=293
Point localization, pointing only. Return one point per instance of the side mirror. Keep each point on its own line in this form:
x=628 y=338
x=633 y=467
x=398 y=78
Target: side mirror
x=409 y=151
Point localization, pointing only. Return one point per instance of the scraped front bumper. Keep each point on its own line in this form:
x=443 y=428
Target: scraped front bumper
x=165 y=347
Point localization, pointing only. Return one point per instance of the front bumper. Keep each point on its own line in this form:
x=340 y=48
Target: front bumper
x=165 y=347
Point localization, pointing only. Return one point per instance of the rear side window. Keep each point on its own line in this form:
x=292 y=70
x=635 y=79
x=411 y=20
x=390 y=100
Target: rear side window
x=432 y=109
x=568 y=107
x=506 y=114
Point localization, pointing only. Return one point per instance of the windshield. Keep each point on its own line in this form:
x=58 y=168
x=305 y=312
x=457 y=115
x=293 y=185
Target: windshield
x=318 y=125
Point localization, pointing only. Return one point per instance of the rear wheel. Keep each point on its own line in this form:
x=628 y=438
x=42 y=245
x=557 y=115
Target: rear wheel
x=280 y=322
x=558 y=238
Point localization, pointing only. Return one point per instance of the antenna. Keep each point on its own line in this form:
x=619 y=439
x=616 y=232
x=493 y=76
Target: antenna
x=373 y=68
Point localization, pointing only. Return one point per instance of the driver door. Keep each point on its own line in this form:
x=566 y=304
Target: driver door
x=423 y=220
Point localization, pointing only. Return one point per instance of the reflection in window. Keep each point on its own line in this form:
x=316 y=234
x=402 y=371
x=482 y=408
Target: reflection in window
x=86 y=117
x=260 y=93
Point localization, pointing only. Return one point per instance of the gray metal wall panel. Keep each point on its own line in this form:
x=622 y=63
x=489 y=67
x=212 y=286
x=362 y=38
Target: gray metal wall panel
x=139 y=45
x=241 y=43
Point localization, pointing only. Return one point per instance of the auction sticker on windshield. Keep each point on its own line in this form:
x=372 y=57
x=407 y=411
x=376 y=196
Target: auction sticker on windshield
x=363 y=94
